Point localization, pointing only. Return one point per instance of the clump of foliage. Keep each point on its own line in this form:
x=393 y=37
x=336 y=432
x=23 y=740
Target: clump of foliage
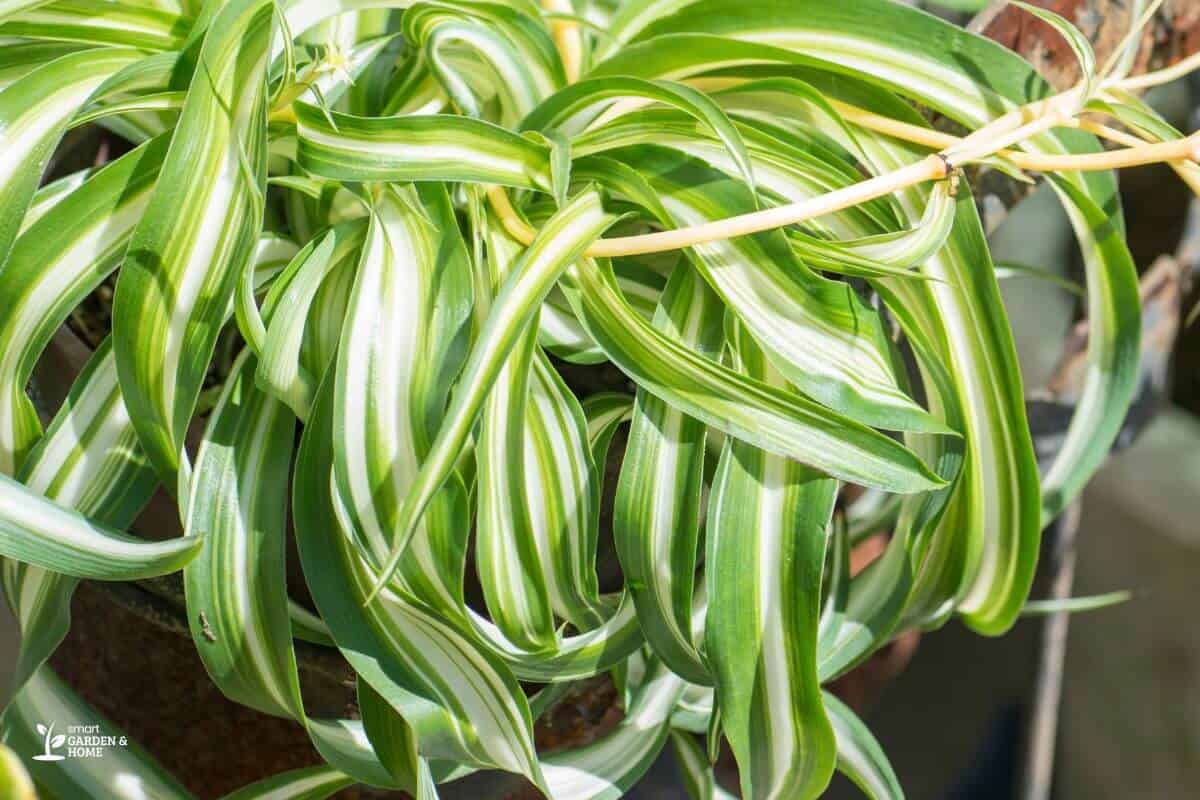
x=412 y=214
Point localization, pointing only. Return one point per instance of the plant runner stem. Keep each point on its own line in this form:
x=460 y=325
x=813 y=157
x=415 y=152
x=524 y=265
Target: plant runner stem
x=1159 y=77
x=1137 y=153
x=1012 y=128
x=566 y=38
x=934 y=167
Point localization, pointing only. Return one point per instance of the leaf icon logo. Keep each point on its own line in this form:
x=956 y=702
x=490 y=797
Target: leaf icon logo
x=50 y=741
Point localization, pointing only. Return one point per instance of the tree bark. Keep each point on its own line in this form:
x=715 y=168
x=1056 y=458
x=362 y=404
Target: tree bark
x=1172 y=35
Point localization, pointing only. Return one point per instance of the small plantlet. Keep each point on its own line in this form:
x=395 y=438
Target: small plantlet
x=369 y=250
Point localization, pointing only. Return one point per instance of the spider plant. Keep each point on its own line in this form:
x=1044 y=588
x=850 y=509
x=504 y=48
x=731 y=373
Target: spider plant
x=410 y=216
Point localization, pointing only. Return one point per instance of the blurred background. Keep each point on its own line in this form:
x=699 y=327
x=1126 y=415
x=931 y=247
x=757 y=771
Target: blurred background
x=954 y=723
